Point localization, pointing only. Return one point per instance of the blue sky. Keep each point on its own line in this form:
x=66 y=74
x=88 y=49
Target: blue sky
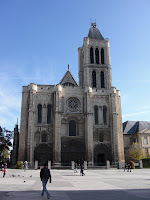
x=39 y=38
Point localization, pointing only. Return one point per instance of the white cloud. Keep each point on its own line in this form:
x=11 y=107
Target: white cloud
x=12 y=78
x=10 y=108
x=136 y=113
x=141 y=115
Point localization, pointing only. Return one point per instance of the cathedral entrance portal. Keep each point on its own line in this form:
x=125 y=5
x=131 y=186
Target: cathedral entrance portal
x=43 y=153
x=102 y=153
x=72 y=149
x=101 y=159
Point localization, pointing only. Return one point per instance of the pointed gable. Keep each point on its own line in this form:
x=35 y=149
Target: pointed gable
x=68 y=79
x=133 y=127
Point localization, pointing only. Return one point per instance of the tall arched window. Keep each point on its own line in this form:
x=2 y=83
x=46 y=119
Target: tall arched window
x=102 y=80
x=94 y=79
x=101 y=138
x=91 y=55
x=39 y=113
x=97 y=55
x=48 y=114
x=105 y=115
x=102 y=55
x=44 y=137
x=96 y=114
x=72 y=128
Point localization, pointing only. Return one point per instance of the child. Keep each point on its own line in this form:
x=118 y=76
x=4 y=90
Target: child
x=4 y=172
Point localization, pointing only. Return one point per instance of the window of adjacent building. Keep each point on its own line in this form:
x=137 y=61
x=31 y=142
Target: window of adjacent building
x=102 y=56
x=146 y=150
x=72 y=128
x=48 y=114
x=94 y=79
x=97 y=55
x=96 y=114
x=145 y=141
x=39 y=113
x=102 y=80
x=91 y=55
x=105 y=115
x=44 y=137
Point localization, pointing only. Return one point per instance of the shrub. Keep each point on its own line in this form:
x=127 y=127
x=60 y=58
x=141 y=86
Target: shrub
x=19 y=164
x=146 y=162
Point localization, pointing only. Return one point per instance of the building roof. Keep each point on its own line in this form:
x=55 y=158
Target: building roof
x=68 y=79
x=94 y=33
x=133 y=127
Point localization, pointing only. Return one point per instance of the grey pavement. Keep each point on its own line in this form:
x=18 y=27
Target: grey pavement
x=110 y=184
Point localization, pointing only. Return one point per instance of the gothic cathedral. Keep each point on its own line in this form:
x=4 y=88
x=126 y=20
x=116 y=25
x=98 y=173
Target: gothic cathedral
x=75 y=122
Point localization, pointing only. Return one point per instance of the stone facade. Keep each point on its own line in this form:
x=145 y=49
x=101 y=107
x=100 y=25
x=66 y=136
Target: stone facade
x=67 y=121
x=144 y=139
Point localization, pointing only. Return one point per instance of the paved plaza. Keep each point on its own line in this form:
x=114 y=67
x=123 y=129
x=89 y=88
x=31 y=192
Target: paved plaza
x=110 y=184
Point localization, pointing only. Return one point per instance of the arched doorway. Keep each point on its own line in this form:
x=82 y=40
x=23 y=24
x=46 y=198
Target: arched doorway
x=102 y=153
x=72 y=149
x=43 y=153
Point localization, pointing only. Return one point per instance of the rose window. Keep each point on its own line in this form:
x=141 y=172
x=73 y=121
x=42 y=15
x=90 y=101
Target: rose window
x=73 y=104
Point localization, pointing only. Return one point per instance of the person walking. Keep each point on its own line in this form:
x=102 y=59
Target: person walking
x=82 y=169
x=4 y=172
x=75 y=168
x=45 y=175
x=24 y=166
x=125 y=167
x=129 y=167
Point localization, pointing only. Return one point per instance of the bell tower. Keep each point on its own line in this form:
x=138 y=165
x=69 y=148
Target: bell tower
x=94 y=61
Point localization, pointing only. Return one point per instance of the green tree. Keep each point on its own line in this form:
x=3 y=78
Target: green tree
x=5 y=140
x=136 y=152
x=5 y=154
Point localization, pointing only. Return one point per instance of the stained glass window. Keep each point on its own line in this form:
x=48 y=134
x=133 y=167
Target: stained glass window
x=73 y=104
x=49 y=114
x=44 y=137
x=91 y=55
x=102 y=55
x=96 y=114
x=72 y=128
x=39 y=113
x=102 y=80
x=105 y=115
x=97 y=55
x=94 y=79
